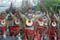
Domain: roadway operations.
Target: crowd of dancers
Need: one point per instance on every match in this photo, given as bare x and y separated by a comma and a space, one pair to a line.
30, 25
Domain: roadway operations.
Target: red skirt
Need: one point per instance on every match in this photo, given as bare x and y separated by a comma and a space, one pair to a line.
28, 32
2, 30
13, 30
58, 39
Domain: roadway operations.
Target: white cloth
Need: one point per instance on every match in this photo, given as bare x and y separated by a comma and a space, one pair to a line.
4, 35
31, 28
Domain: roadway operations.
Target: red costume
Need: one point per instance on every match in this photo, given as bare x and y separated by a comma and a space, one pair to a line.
2, 30
52, 31
58, 37
29, 26
40, 30
14, 30
29, 31
3, 24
